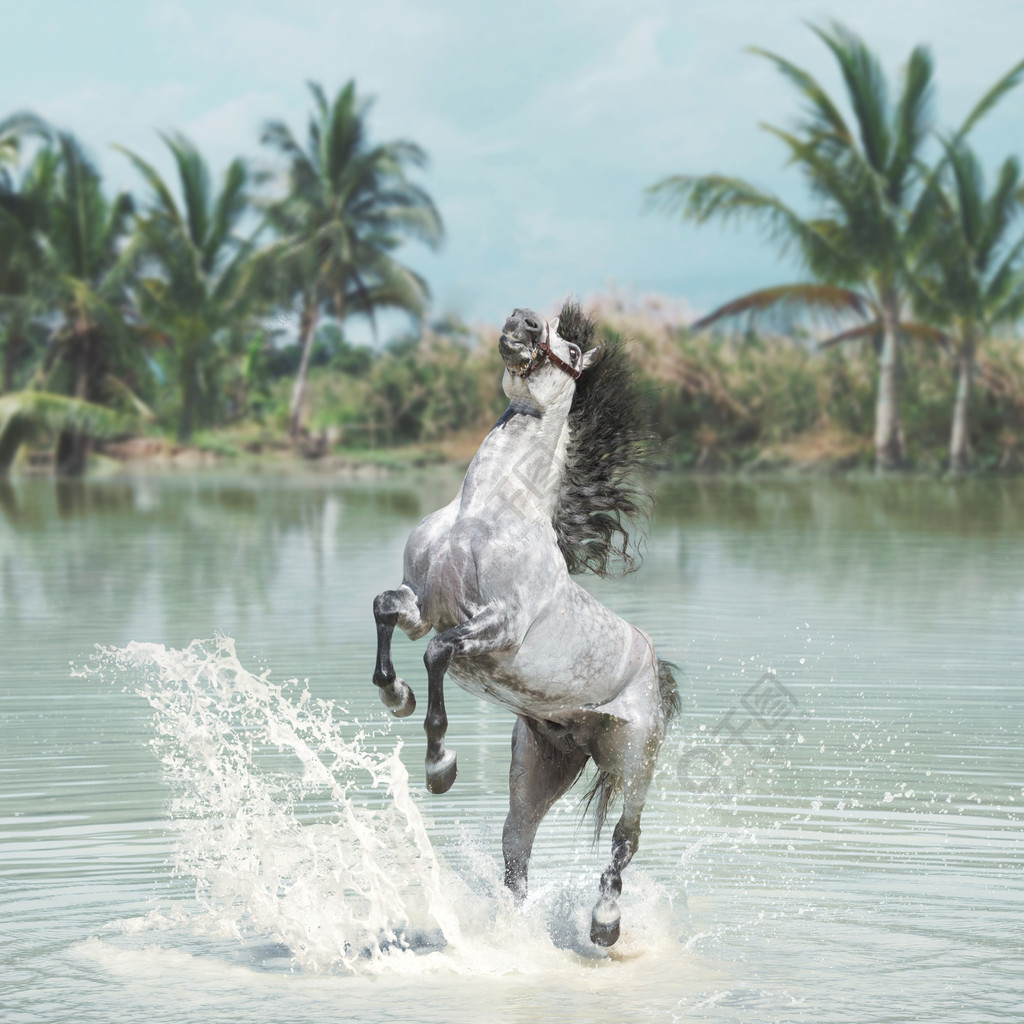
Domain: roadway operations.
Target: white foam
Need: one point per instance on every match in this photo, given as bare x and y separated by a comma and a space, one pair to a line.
246, 759
299, 831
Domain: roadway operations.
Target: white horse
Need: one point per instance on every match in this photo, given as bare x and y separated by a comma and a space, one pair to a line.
549, 493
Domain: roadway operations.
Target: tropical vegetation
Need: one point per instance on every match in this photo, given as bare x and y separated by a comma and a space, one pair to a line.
187, 264
971, 281
172, 308
214, 310
863, 242
349, 204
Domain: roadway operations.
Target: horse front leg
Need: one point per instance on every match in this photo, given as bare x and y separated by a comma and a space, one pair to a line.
395, 608
479, 635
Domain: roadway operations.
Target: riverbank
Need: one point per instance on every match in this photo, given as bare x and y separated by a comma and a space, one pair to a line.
248, 452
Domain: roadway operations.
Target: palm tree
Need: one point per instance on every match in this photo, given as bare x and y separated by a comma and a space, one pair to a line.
60, 278
190, 264
81, 277
866, 175
971, 276
349, 204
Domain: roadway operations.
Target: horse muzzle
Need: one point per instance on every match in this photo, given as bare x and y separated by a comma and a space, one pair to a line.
518, 358
521, 340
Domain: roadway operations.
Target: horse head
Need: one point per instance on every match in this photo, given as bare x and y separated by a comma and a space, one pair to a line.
539, 363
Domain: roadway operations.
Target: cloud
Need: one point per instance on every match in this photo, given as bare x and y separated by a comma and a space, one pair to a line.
105, 113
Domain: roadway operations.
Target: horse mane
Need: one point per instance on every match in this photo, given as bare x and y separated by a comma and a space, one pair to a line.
604, 505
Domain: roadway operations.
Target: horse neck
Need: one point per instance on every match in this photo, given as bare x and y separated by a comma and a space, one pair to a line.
520, 464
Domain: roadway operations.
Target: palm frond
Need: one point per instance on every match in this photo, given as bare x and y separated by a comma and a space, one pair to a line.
343, 139
118, 223
1007, 304
917, 331
705, 197
1006, 83
866, 89
319, 98
827, 119
166, 204
1004, 281
25, 123
194, 179
228, 208
789, 301
13, 130
418, 219
921, 210
1004, 206
968, 180
913, 122
81, 209
846, 185
278, 135
969, 269
930, 205
869, 330
394, 286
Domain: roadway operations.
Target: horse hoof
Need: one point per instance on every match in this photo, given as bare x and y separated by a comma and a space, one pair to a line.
399, 698
604, 926
441, 774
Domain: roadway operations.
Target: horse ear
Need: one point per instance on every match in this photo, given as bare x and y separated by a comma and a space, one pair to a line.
554, 325
592, 355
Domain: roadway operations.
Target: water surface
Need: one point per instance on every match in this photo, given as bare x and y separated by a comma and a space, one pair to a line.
833, 832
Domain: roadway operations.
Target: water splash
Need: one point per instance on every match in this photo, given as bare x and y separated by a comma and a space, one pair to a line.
289, 829
307, 848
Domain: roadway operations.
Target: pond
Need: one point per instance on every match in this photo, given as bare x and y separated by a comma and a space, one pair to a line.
204, 818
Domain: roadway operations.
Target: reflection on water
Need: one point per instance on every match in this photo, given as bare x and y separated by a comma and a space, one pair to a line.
832, 833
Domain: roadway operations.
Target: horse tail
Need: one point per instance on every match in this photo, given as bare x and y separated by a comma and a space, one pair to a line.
668, 689
606, 786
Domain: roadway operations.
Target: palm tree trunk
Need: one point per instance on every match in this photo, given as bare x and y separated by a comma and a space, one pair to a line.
297, 411
189, 398
72, 445
13, 346
889, 451
960, 438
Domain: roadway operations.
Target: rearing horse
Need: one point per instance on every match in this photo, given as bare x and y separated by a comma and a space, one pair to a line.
550, 492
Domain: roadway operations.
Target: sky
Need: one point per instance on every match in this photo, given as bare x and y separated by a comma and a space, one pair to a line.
544, 120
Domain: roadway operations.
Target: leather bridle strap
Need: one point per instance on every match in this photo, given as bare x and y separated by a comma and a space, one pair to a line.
543, 349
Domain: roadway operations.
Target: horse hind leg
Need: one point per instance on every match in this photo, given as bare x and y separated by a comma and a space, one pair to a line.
628, 758
540, 773
395, 608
